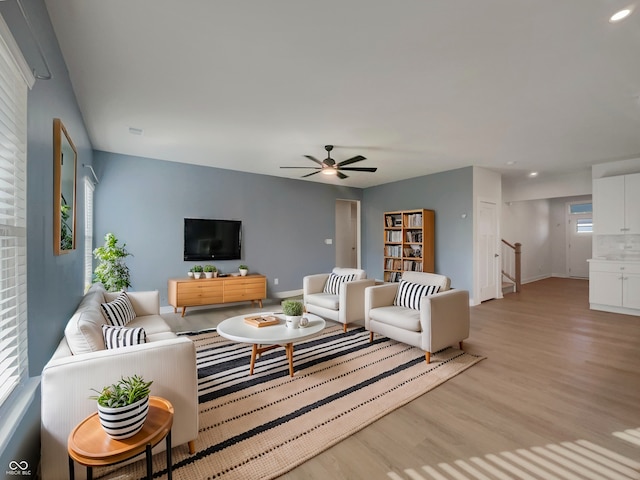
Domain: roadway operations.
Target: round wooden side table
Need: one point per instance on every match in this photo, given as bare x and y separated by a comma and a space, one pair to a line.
90, 446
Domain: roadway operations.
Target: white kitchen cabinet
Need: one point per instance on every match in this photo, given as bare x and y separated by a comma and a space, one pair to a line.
614, 286
616, 205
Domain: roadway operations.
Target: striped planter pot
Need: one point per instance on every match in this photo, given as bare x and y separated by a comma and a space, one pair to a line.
124, 422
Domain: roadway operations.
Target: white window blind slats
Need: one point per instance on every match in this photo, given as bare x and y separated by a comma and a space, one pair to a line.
88, 232
13, 216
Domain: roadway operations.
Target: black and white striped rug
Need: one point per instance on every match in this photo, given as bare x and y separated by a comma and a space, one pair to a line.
261, 426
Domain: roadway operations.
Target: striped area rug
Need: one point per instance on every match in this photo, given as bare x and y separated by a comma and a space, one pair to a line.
261, 426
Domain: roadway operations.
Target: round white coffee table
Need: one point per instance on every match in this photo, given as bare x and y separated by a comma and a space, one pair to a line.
272, 336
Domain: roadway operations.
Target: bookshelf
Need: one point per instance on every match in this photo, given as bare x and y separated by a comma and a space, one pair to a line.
408, 242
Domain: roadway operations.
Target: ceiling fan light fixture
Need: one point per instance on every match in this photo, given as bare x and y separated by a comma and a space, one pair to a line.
329, 171
620, 15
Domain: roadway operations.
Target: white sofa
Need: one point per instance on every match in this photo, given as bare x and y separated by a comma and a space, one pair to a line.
437, 321
81, 363
347, 306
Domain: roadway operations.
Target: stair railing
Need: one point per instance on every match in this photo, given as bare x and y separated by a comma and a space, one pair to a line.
511, 263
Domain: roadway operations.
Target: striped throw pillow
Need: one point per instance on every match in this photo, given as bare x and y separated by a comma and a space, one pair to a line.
409, 294
116, 337
119, 312
332, 285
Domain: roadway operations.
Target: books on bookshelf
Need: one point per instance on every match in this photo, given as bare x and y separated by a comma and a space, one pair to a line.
408, 242
261, 321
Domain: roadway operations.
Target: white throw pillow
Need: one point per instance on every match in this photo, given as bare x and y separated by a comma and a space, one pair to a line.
332, 285
409, 294
119, 312
116, 337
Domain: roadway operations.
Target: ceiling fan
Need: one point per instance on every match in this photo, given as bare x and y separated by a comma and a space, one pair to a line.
328, 166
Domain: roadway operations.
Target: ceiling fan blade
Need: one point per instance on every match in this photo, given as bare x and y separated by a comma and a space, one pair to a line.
313, 159
341, 175
312, 173
316, 168
357, 158
360, 169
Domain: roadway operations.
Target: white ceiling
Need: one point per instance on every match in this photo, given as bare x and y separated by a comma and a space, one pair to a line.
416, 86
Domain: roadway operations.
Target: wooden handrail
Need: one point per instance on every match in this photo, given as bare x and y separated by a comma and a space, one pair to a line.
517, 277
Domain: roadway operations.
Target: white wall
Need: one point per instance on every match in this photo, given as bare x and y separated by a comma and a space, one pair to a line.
543, 187
528, 223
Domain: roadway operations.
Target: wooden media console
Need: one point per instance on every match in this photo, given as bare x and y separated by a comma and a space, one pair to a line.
189, 292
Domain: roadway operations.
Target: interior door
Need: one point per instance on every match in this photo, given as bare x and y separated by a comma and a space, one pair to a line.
488, 250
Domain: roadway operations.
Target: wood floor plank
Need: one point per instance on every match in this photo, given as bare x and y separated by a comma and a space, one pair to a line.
555, 372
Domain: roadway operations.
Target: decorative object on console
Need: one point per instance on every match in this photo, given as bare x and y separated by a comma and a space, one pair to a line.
210, 271
243, 269
123, 406
197, 271
292, 310
112, 272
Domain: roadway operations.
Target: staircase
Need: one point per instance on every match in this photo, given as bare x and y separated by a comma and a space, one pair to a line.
511, 267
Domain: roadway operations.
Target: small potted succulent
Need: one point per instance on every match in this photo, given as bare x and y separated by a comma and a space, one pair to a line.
293, 310
123, 406
197, 271
243, 270
210, 271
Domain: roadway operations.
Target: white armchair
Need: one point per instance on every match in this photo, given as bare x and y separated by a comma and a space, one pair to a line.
430, 322
337, 296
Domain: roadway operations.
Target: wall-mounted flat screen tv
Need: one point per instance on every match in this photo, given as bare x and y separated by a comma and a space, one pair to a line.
206, 239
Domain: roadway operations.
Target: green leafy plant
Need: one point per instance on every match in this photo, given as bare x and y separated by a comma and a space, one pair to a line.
243, 267
292, 308
197, 269
66, 237
210, 268
124, 392
112, 272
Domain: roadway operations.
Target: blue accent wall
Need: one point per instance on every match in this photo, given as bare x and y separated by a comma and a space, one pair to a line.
449, 194
284, 221
55, 283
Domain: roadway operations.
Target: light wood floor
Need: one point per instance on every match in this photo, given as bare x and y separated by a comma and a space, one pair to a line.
555, 372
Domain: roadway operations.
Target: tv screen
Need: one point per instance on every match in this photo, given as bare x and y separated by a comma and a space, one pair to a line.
206, 239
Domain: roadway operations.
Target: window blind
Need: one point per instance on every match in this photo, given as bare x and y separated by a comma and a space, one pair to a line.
88, 232
13, 217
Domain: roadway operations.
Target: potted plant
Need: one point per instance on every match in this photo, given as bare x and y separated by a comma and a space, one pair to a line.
243, 270
197, 270
292, 310
210, 271
112, 272
123, 406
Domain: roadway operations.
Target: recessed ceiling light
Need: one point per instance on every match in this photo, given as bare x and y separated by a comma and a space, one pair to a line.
511, 162
135, 131
533, 174
621, 15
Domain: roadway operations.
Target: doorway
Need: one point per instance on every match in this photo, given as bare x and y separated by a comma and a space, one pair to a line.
579, 232
348, 234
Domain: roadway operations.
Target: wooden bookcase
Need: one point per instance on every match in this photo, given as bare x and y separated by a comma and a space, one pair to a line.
408, 242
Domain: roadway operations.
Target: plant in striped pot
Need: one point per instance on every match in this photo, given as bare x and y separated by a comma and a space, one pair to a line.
123, 406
